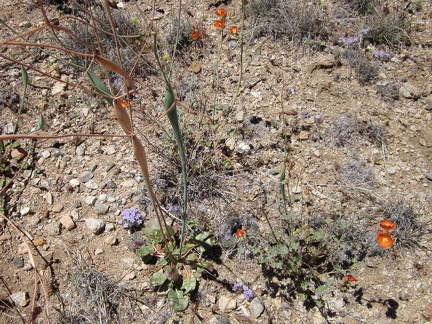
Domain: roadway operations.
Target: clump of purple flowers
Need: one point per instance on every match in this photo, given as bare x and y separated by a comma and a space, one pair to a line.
349, 40
247, 292
131, 218
382, 55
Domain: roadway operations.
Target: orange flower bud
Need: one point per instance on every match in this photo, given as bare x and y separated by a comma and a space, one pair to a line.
219, 24
221, 13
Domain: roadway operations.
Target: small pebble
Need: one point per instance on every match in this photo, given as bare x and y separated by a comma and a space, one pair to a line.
57, 208
18, 262
39, 241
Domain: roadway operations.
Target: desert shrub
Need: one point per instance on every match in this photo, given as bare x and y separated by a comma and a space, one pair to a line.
344, 128
365, 70
362, 6
355, 172
389, 29
295, 20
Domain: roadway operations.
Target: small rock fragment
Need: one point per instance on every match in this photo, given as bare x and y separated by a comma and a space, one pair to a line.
74, 183
39, 241
20, 298
240, 116
111, 240
18, 262
101, 209
53, 228
98, 251
97, 226
86, 176
24, 211
304, 135
67, 222
57, 208
90, 200
48, 198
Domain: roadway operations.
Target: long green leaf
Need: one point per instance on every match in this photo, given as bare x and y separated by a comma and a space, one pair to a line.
100, 87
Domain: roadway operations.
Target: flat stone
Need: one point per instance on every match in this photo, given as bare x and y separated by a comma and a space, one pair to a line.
91, 184
428, 106
130, 276
67, 222
86, 176
97, 226
409, 91
18, 153
46, 154
226, 304
101, 209
20, 298
53, 228
58, 88
22, 249
57, 208
256, 307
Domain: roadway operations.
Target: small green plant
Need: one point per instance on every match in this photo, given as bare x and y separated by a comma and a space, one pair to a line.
178, 278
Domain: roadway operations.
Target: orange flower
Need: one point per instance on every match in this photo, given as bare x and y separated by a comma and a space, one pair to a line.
385, 240
387, 225
123, 103
240, 233
234, 30
350, 277
219, 24
194, 35
221, 13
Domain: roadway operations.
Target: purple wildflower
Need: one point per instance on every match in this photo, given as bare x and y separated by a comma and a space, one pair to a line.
382, 55
247, 293
173, 208
248, 252
131, 218
351, 40
227, 237
364, 31
236, 286
341, 40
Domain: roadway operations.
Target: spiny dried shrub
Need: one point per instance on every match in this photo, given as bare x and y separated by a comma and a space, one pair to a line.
344, 129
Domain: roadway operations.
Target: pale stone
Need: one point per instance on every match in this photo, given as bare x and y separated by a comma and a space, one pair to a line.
67, 222
226, 304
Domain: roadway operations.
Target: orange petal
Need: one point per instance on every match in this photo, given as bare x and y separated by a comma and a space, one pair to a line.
385, 240
387, 225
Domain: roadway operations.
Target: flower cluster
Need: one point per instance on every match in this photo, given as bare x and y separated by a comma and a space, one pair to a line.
220, 23
348, 41
131, 218
247, 292
384, 56
384, 237
197, 32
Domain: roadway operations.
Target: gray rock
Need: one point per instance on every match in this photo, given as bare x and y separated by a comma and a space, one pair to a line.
20, 298
77, 204
240, 116
57, 88
110, 185
129, 183
18, 262
256, 307
428, 175
97, 226
101, 209
86, 176
53, 228
90, 200
429, 106
226, 304
46, 154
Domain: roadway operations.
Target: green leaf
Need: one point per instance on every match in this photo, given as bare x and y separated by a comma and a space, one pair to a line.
100, 86
321, 290
205, 240
177, 300
41, 123
145, 252
158, 278
189, 282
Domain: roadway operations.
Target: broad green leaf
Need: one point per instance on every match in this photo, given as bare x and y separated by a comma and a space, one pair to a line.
158, 278
189, 282
177, 300
100, 86
205, 241
145, 252
321, 290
